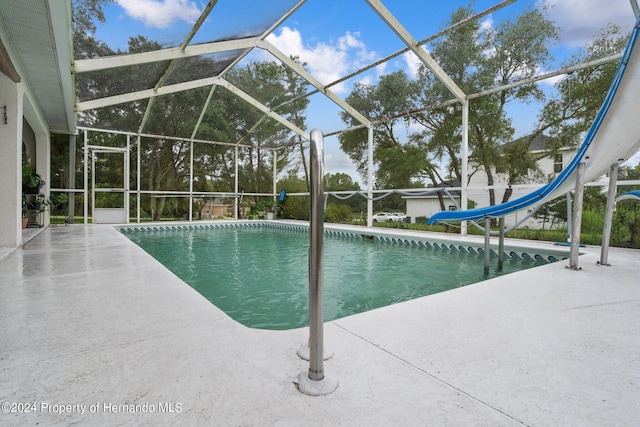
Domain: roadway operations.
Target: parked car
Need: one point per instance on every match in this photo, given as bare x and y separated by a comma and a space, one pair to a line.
398, 216
383, 217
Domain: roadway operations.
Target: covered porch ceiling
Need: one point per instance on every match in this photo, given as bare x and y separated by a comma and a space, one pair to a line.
37, 35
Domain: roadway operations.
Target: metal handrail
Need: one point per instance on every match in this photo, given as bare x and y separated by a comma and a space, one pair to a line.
316, 257
315, 382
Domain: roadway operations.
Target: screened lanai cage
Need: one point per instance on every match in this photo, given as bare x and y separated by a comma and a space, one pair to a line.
206, 113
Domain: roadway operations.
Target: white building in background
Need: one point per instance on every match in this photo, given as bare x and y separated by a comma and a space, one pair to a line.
427, 204
478, 193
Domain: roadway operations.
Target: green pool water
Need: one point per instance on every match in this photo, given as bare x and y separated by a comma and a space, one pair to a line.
259, 275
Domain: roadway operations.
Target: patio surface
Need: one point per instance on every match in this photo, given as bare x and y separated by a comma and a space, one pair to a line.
96, 332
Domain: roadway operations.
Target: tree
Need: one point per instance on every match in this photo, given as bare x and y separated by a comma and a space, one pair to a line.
385, 103
479, 61
626, 218
226, 118
582, 92
344, 182
295, 207
277, 87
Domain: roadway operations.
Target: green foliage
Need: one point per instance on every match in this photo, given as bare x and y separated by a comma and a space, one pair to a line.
625, 230
391, 97
476, 59
582, 92
226, 118
344, 182
337, 213
296, 207
30, 178
58, 199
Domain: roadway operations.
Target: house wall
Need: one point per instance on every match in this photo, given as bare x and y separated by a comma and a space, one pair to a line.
11, 103
425, 206
481, 195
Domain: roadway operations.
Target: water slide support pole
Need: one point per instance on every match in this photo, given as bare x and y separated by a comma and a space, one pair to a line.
487, 246
608, 218
501, 244
577, 218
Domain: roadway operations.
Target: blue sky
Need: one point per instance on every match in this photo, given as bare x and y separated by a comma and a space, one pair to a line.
336, 37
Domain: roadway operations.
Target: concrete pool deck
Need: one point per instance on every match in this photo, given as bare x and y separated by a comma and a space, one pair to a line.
91, 323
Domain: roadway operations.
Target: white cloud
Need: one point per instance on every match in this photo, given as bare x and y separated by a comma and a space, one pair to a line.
581, 20
413, 64
381, 69
327, 62
486, 24
161, 13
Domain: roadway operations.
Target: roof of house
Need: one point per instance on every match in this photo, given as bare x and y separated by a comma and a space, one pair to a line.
440, 188
536, 143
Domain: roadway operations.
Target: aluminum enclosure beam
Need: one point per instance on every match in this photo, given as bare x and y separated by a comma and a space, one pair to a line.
97, 64
143, 94
261, 107
312, 80
422, 54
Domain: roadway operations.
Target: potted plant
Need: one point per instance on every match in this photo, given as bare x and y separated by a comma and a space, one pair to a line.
25, 219
265, 209
31, 181
36, 205
58, 202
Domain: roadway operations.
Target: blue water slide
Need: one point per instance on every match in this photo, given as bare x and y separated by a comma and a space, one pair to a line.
613, 136
629, 195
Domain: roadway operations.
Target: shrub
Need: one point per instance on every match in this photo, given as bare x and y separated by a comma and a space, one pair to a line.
337, 213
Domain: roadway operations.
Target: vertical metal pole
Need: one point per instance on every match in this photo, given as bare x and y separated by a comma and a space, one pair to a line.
86, 179
127, 180
191, 182
465, 163
569, 217
608, 217
316, 257
72, 178
577, 218
235, 187
93, 185
370, 177
487, 245
138, 167
275, 177
501, 244
314, 382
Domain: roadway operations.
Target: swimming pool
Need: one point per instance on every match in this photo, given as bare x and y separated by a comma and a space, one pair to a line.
257, 272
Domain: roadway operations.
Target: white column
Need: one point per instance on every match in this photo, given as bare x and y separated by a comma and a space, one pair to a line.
11, 107
465, 163
127, 180
236, 202
85, 166
191, 181
138, 180
72, 177
275, 175
43, 164
370, 178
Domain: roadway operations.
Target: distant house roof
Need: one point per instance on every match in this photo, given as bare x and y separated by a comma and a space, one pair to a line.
440, 188
537, 143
